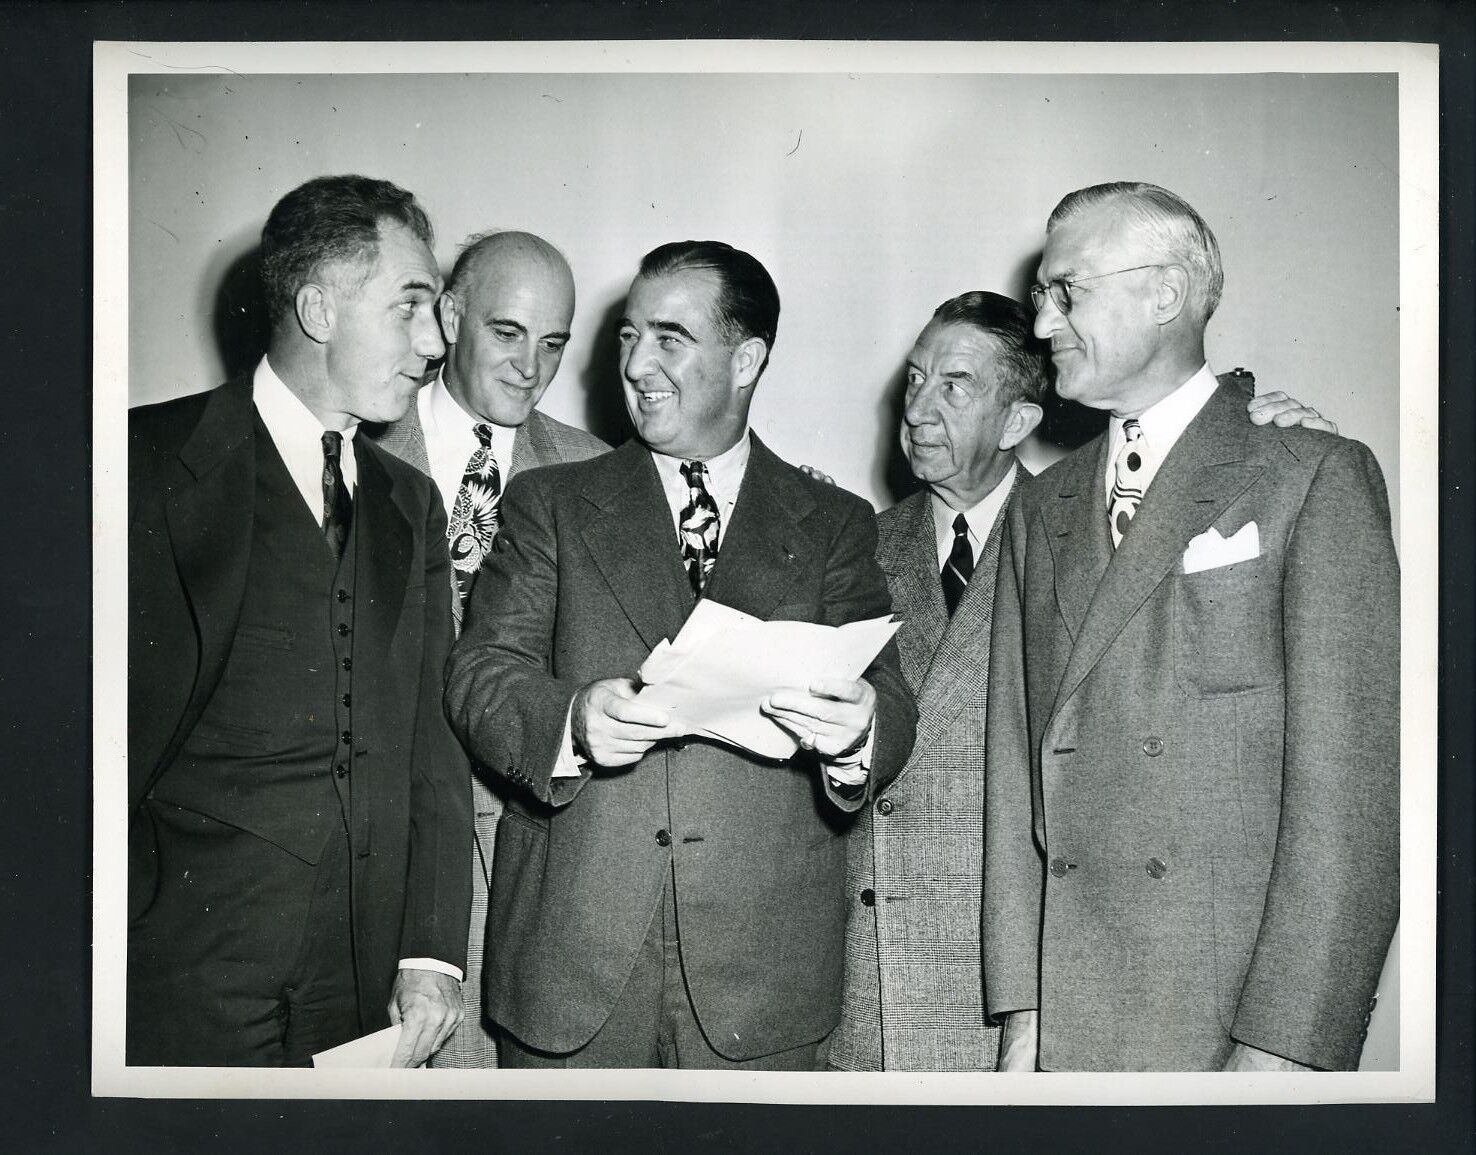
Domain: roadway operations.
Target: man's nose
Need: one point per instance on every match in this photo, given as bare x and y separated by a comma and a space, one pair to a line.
525, 359
919, 407
636, 361
1048, 318
425, 338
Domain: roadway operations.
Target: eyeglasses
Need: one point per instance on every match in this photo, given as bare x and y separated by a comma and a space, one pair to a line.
1060, 288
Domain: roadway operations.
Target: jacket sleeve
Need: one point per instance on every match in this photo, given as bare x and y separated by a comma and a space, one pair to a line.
1013, 878
855, 590
1333, 896
438, 892
503, 700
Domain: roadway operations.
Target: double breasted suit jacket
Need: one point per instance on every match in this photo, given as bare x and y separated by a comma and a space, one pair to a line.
192, 476
1192, 805
586, 578
913, 990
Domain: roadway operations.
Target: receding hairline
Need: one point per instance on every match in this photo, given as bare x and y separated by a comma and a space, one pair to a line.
482, 252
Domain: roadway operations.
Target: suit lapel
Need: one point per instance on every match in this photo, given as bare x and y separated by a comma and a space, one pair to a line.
384, 542
405, 439
909, 558
960, 664
532, 446
630, 536
1204, 472
1076, 531
762, 549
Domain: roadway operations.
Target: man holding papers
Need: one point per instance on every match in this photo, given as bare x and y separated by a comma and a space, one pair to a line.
658, 898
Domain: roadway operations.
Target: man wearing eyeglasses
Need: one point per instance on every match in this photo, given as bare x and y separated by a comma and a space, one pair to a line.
1192, 801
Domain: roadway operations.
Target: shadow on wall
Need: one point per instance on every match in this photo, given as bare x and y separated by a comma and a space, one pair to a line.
604, 400
239, 318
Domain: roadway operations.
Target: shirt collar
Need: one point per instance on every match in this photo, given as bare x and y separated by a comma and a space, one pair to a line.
298, 435
1165, 420
724, 472
980, 516
457, 428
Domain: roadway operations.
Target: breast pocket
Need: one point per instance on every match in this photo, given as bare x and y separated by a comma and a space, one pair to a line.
1227, 628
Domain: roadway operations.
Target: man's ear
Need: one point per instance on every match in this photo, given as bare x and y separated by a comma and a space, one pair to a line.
315, 312
747, 361
1173, 294
450, 313
1024, 417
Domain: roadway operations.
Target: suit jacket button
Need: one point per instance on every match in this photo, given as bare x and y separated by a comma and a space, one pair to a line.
1153, 747
1059, 867
343, 630
341, 770
663, 838
342, 595
868, 897
1157, 868
884, 806
347, 737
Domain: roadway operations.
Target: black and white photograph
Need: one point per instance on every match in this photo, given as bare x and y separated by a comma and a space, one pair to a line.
765, 571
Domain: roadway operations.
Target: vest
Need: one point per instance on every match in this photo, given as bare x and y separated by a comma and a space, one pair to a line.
272, 753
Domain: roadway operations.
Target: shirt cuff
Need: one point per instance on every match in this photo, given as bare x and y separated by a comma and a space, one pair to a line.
568, 763
853, 768
431, 964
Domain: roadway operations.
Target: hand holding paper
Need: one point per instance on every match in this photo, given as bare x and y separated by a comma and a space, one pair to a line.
762, 685
612, 728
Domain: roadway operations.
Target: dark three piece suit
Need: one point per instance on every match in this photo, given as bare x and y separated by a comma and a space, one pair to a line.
299, 809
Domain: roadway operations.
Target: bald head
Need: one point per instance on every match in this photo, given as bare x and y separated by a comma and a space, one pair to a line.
505, 315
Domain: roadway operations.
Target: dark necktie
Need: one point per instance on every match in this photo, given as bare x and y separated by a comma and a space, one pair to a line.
1127, 481
338, 509
473, 523
699, 527
960, 565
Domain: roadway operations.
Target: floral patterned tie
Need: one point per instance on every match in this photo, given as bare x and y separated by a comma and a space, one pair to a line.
338, 509
699, 527
473, 523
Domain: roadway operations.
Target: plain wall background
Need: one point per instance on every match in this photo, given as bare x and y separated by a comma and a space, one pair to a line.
870, 198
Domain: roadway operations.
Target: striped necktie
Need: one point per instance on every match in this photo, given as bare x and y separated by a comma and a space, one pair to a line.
338, 508
959, 567
1128, 484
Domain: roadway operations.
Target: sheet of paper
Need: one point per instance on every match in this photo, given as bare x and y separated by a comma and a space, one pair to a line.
714, 675
374, 1050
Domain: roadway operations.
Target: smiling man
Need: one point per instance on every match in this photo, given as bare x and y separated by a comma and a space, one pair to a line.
1191, 852
299, 809
659, 899
505, 316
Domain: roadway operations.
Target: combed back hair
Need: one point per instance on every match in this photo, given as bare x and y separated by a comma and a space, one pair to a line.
329, 219
1022, 362
476, 245
1170, 226
748, 301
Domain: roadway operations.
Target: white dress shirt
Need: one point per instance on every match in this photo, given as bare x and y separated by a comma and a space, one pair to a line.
298, 436
1163, 423
451, 439
725, 474
980, 518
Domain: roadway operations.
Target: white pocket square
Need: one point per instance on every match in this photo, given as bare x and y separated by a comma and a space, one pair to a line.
1211, 551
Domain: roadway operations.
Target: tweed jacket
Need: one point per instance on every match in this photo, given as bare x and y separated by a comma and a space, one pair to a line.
541, 440
584, 580
913, 997
1192, 805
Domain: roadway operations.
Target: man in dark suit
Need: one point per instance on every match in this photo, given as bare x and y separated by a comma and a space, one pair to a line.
299, 807
505, 316
1191, 851
658, 899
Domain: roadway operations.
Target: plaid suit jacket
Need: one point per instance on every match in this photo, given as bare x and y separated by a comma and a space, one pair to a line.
913, 996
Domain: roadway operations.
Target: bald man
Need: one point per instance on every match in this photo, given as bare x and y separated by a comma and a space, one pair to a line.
505, 315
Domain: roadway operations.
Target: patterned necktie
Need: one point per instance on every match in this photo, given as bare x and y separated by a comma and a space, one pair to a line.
338, 509
473, 523
1127, 485
699, 527
960, 565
